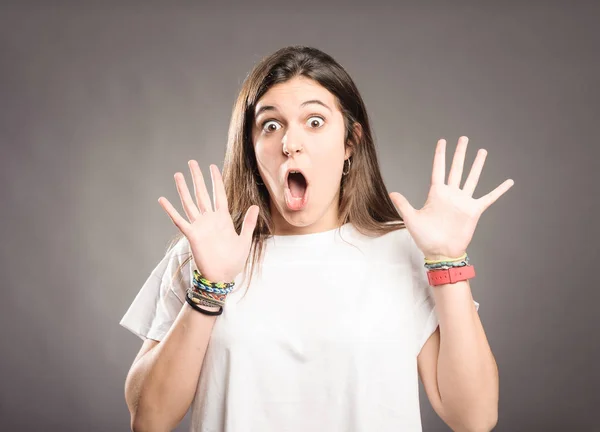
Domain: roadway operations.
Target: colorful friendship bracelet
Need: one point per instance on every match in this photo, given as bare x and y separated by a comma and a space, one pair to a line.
206, 293
198, 277
218, 298
205, 296
211, 298
201, 286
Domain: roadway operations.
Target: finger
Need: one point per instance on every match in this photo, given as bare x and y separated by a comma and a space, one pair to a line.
489, 199
176, 218
249, 223
473, 179
439, 163
200, 191
458, 162
189, 207
219, 195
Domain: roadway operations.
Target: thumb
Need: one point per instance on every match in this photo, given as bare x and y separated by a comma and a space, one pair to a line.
249, 223
402, 204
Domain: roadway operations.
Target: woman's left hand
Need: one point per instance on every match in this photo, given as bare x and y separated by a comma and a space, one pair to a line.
445, 225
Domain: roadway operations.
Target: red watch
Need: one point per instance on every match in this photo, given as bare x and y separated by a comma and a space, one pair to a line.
451, 275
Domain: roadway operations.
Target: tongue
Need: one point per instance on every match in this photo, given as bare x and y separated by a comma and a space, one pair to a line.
297, 185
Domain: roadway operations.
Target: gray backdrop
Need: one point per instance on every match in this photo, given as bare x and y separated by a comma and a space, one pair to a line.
100, 104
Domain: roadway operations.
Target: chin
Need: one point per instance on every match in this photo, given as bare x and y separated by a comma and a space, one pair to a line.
299, 219
313, 212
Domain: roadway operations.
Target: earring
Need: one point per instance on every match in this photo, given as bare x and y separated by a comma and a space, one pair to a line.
349, 163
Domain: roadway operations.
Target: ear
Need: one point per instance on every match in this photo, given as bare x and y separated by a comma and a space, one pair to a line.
353, 140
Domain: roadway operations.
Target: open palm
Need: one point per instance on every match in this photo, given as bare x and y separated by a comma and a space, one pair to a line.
445, 225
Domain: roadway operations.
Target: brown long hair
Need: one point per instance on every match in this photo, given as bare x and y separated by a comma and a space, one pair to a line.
363, 201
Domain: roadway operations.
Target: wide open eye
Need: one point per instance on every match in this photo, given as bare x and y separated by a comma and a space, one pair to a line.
264, 126
311, 120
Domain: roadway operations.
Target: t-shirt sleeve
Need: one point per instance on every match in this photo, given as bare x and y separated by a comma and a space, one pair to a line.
426, 319
161, 297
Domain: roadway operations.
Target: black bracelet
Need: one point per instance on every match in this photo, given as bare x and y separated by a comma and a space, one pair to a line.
204, 311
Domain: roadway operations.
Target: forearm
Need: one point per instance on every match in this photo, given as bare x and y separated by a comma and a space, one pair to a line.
162, 384
467, 373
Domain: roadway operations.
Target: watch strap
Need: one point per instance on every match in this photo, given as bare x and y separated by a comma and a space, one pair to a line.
451, 275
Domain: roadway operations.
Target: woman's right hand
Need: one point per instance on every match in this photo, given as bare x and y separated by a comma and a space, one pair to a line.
218, 251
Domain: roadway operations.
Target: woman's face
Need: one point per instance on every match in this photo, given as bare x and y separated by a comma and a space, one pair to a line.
298, 126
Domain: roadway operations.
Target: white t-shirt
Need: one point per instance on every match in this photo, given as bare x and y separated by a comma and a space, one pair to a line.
325, 339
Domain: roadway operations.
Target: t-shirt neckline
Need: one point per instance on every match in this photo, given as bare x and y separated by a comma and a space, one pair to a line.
320, 238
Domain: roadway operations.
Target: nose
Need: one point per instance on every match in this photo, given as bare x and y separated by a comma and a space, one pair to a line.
291, 145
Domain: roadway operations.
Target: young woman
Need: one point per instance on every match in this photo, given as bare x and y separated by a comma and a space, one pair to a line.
339, 315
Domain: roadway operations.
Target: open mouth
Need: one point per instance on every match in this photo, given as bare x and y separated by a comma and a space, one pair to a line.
296, 192
297, 184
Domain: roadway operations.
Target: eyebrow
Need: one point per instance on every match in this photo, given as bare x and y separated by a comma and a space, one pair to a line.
303, 104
